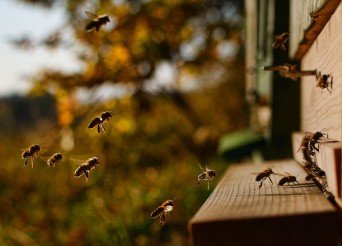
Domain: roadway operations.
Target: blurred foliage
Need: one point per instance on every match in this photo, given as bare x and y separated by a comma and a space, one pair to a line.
154, 143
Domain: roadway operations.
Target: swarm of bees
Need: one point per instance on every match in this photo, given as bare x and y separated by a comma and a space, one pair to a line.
100, 121
86, 167
163, 210
96, 22
206, 175
309, 146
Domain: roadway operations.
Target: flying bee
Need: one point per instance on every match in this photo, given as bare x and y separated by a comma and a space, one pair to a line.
105, 116
86, 167
288, 179
96, 22
281, 40
324, 81
100, 121
264, 175
54, 159
32, 152
163, 210
207, 175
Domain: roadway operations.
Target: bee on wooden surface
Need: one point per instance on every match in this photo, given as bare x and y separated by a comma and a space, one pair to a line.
32, 152
281, 40
87, 167
100, 121
288, 179
96, 22
307, 150
163, 210
54, 159
315, 138
264, 175
309, 177
324, 81
207, 175
317, 171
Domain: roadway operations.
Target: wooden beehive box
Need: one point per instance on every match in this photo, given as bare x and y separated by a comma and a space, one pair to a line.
237, 211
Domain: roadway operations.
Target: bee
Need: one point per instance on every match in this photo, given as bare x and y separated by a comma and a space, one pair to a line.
31, 152
315, 138
100, 121
308, 177
288, 179
87, 167
163, 210
317, 171
54, 159
309, 142
281, 40
207, 175
307, 149
324, 81
264, 175
96, 22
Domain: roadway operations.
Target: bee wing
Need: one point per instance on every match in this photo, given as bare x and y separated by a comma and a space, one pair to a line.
283, 175
78, 161
201, 167
45, 158
308, 135
43, 150
91, 15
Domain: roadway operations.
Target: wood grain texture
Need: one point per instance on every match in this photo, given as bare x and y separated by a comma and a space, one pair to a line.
239, 213
304, 29
320, 109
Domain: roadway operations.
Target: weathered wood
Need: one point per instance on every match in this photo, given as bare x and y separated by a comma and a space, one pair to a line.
239, 213
307, 20
320, 109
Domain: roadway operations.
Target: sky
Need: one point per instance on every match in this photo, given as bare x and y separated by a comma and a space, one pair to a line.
18, 19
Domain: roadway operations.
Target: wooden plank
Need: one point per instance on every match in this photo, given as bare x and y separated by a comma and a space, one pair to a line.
320, 109
307, 20
328, 159
239, 213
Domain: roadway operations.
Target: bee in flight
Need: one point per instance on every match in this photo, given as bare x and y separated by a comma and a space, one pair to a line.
281, 40
54, 159
264, 175
96, 21
163, 210
207, 175
288, 178
86, 167
31, 152
100, 121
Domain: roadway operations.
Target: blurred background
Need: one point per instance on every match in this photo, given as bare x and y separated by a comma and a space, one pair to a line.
172, 72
